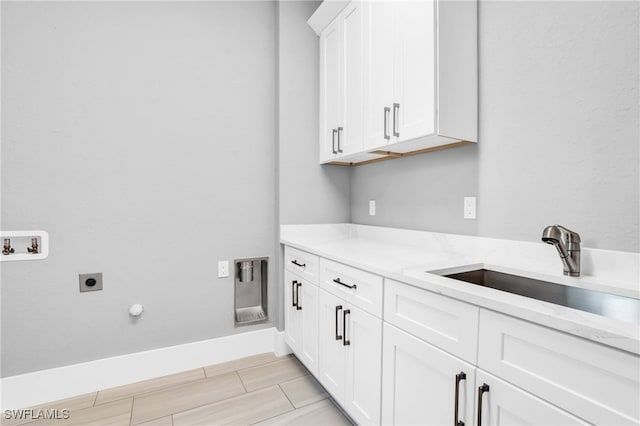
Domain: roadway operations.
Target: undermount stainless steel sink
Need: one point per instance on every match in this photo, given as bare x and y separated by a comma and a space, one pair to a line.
600, 303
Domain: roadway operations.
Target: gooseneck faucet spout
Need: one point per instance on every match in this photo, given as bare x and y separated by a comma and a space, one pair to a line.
568, 244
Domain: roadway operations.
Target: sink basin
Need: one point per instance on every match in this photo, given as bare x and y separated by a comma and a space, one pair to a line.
605, 304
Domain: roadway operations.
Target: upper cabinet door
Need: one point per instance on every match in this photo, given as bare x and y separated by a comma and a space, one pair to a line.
378, 72
341, 84
331, 88
350, 131
413, 111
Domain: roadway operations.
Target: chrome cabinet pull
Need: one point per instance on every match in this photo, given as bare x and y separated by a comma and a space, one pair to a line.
333, 140
298, 307
340, 129
337, 281
460, 376
396, 108
338, 309
345, 342
302, 265
481, 390
387, 110
294, 303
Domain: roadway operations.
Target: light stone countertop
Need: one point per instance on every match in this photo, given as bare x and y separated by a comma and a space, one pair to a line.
411, 257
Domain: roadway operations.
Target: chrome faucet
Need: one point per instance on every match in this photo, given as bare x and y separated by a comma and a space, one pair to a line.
568, 244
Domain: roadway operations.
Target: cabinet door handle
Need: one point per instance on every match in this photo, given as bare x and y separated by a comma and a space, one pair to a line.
337, 281
345, 342
396, 108
338, 309
460, 376
481, 390
334, 132
340, 129
294, 303
298, 307
387, 111
302, 265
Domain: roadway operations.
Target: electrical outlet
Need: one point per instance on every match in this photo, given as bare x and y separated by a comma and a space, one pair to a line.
90, 282
372, 207
223, 269
469, 207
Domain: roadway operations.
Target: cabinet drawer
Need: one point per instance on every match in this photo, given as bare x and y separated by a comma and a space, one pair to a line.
444, 322
302, 263
592, 381
360, 288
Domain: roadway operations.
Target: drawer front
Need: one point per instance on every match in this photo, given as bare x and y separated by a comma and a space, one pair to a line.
444, 322
360, 288
301, 263
592, 381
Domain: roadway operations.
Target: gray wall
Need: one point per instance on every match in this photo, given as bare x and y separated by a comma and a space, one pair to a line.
309, 193
420, 192
558, 133
141, 136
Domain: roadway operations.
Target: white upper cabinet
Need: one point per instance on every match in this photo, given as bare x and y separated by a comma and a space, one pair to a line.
341, 85
400, 64
397, 77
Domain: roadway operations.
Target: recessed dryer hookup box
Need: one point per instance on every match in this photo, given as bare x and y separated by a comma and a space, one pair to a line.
250, 290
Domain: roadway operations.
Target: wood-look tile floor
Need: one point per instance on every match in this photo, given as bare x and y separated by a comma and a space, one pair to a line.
262, 389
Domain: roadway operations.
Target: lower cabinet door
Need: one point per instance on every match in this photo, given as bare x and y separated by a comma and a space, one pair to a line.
308, 304
500, 403
331, 361
423, 385
363, 352
292, 318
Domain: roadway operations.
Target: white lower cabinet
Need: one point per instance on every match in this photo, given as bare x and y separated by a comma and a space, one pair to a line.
500, 403
301, 319
422, 385
350, 357
436, 360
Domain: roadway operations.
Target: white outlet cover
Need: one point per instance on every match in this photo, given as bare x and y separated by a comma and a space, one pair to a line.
223, 269
469, 207
372, 207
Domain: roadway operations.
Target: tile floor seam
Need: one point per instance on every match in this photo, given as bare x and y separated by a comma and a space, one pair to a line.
293, 407
223, 400
273, 417
151, 391
282, 358
95, 399
157, 390
287, 396
133, 400
295, 378
241, 382
190, 408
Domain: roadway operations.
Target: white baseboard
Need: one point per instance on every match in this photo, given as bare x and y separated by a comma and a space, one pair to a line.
27, 390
